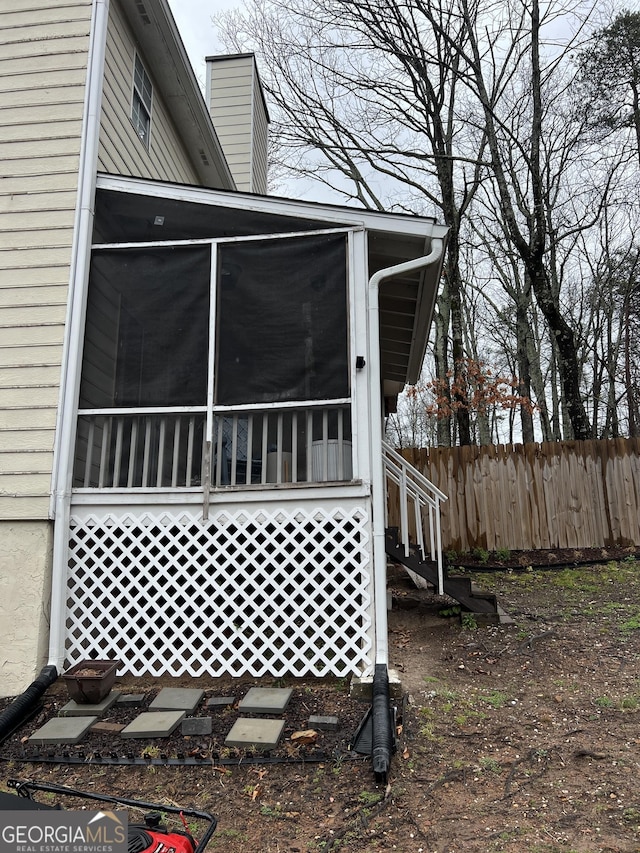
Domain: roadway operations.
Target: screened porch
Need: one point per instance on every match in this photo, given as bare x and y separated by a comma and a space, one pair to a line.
216, 362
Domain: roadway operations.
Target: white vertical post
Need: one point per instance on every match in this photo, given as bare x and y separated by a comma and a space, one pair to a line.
377, 413
66, 424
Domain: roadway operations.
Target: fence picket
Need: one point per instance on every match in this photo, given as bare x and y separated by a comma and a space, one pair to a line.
536, 496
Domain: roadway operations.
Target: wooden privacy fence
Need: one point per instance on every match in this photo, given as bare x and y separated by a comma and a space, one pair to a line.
570, 494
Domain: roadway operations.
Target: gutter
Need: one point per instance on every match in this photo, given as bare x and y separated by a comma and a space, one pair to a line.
74, 326
382, 736
377, 471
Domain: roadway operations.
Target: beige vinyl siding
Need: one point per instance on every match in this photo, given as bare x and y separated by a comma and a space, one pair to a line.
231, 85
43, 61
260, 144
122, 152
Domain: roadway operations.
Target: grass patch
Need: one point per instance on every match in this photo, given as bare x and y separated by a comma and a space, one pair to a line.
496, 699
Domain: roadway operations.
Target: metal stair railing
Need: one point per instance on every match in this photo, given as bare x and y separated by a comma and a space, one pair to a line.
416, 489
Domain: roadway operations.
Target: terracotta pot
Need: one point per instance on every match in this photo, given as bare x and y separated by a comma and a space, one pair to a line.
89, 681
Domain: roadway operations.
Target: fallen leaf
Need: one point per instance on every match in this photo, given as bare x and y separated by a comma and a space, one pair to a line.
302, 738
406, 754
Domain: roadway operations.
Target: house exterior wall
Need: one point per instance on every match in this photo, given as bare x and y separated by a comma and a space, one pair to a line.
237, 108
121, 151
43, 52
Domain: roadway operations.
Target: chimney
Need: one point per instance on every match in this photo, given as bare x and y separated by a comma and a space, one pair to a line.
239, 112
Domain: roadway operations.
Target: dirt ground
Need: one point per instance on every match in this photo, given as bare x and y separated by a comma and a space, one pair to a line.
522, 737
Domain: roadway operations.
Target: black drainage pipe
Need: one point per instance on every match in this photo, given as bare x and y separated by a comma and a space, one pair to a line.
381, 738
18, 710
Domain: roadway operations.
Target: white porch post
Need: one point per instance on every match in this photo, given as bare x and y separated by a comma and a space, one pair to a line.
74, 327
377, 466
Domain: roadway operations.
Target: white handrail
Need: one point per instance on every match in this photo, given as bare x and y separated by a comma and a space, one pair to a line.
416, 489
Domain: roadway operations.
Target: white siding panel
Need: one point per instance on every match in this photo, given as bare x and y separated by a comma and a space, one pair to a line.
24, 398
14, 423
54, 294
28, 336
37, 187
23, 440
24, 506
26, 376
16, 485
29, 355
68, 44
29, 203
65, 165
32, 315
43, 66
37, 15
35, 237
21, 133
19, 259
26, 462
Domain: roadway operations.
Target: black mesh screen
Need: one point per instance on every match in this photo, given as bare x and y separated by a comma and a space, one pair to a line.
147, 328
282, 320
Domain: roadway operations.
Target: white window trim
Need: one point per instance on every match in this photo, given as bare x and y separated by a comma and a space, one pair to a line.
139, 102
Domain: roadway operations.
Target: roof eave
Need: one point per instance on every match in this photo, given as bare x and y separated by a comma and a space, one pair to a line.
156, 31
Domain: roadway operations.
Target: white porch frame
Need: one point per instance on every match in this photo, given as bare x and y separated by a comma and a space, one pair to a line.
366, 391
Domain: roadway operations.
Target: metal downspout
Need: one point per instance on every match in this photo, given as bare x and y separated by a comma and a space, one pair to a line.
74, 326
377, 467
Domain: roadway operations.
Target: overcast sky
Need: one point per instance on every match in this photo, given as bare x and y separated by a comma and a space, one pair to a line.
193, 18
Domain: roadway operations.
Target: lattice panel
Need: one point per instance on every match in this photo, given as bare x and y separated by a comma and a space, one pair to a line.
241, 593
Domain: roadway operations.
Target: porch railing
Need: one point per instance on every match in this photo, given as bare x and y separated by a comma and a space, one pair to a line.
417, 495
168, 448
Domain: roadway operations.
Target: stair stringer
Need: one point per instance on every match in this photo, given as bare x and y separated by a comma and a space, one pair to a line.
457, 587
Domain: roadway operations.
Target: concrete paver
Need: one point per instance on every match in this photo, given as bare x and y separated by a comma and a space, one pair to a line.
63, 730
220, 701
131, 700
326, 724
154, 724
177, 699
86, 709
263, 734
196, 726
265, 700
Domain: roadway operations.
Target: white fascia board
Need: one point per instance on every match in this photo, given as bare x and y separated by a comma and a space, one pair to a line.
391, 223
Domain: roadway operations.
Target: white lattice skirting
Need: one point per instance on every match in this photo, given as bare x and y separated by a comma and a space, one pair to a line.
263, 593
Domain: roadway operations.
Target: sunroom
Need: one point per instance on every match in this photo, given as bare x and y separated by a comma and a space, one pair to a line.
227, 495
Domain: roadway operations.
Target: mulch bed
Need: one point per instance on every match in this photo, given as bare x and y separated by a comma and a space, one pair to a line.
481, 561
309, 698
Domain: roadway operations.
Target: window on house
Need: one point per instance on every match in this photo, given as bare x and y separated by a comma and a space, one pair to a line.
141, 104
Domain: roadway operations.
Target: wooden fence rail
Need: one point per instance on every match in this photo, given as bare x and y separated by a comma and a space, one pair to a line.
571, 494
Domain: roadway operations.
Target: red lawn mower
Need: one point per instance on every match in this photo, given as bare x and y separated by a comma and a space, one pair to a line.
150, 837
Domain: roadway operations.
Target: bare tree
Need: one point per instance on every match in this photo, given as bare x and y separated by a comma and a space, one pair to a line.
372, 88
460, 109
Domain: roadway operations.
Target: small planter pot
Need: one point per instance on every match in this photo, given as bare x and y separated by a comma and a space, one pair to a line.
89, 681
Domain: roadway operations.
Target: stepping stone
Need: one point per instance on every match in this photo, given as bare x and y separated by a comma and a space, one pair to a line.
247, 733
177, 699
77, 709
63, 730
131, 700
154, 724
196, 726
221, 701
326, 724
107, 728
265, 700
